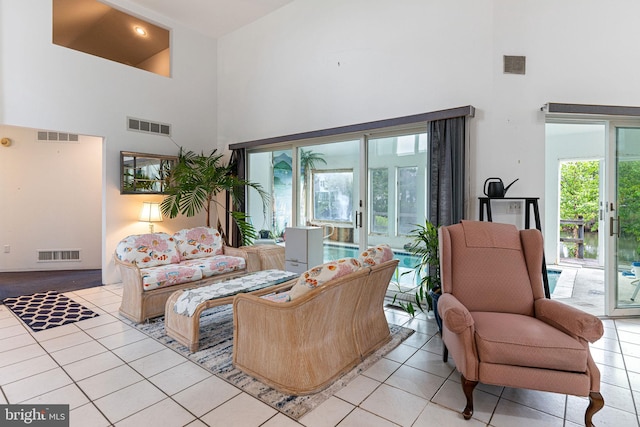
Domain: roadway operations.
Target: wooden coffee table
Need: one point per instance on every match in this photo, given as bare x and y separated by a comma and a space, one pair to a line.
183, 308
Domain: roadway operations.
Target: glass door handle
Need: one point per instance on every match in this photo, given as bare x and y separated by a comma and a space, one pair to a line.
359, 216
611, 232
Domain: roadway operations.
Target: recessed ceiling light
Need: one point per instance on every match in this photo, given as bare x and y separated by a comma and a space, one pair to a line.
140, 31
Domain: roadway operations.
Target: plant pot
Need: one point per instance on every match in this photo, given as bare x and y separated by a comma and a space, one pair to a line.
435, 294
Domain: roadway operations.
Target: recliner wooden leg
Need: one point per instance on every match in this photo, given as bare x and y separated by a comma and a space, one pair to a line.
596, 402
467, 388
445, 354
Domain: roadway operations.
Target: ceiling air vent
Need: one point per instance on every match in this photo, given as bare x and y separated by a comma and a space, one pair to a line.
514, 64
49, 136
58, 255
140, 125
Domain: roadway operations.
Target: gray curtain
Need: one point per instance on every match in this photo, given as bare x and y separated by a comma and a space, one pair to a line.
446, 164
237, 164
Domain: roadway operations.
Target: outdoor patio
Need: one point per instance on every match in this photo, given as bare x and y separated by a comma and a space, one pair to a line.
582, 286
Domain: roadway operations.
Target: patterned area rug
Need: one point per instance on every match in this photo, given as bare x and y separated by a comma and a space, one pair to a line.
216, 352
44, 310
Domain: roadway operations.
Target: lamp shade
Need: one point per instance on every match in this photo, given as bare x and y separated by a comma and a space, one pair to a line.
150, 212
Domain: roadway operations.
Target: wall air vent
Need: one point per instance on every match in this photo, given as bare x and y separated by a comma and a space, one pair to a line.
49, 136
146, 126
514, 64
58, 255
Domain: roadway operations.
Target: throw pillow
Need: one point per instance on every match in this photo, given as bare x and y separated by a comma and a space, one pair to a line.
148, 250
321, 274
376, 255
198, 242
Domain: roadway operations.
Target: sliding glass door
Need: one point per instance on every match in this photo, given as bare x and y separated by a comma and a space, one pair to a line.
273, 171
624, 221
329, 194
363, 191
397, 167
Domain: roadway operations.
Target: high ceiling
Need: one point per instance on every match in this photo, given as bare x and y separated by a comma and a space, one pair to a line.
213, 17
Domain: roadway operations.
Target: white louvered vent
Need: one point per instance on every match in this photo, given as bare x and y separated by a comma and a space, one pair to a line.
146, 126
44, 135
58, 255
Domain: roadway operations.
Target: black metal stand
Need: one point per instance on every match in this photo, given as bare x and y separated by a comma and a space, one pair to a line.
529, 203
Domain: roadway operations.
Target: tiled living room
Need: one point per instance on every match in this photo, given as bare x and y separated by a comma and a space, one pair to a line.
111, 373
265, 72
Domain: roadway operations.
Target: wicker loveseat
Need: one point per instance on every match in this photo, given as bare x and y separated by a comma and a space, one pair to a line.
331, 319
155, 265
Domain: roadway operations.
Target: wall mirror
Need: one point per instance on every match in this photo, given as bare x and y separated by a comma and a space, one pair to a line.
142, 173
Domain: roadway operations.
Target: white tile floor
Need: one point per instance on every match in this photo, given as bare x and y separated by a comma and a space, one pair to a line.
112, 374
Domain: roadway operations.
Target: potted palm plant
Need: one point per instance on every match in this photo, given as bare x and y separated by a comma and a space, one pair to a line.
194, 183
424, 246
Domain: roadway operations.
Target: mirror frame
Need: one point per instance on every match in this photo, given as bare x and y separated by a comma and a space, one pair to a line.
144, 185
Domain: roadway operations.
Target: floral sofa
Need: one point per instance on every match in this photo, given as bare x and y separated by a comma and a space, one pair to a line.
155, 265
331, 318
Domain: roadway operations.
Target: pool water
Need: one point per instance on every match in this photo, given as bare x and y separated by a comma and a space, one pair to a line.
553, 276
407, 261
333, 252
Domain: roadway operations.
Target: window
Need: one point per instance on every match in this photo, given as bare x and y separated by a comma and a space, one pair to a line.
379, 199
273, 171
407, 198
333, 196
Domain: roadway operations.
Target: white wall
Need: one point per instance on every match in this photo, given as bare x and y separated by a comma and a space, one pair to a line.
51, 200
317, 64
45, 86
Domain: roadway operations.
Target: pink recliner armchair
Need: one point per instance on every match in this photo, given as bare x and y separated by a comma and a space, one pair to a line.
497, 324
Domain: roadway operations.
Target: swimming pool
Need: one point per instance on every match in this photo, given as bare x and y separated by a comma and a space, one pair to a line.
407, 261
333, 252
553, 276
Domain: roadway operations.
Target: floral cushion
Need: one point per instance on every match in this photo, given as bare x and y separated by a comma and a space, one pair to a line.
217, 264
318, 276
168, 275
376, 255
148, 250
198, 242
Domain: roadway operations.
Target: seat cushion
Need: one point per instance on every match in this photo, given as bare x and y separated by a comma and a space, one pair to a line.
148, 250
168, 275
218, 264
198, 242
520, 340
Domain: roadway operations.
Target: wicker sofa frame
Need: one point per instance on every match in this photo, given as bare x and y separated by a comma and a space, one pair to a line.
140, 305
302, 346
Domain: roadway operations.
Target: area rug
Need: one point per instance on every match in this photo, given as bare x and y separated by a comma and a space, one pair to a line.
44, 310
216, 352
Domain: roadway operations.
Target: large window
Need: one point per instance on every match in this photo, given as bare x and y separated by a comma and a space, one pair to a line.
407, 199
333, 196
379, 201
367, 185
397, 185
273, 171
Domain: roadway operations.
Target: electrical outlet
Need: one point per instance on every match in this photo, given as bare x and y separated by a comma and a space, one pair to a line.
514, 208
7, 249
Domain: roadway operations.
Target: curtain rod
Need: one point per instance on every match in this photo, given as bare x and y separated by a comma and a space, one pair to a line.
467, 110
603, 110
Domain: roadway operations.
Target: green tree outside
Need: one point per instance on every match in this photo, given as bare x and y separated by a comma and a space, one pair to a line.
579, 188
